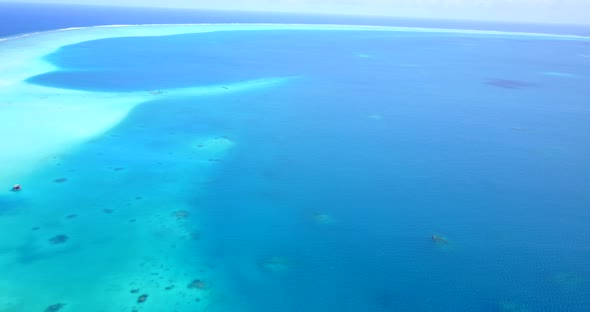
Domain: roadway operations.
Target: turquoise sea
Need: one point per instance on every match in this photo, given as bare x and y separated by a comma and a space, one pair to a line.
387, 171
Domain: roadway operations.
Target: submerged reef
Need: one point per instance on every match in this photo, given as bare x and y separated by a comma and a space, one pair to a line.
59, 239
196, 284
60, 180
142, 298
438, 239
181, 214
509, 84
568, 280
276, 264
322, 218
55, 307
442, 243
508, 306
194, 235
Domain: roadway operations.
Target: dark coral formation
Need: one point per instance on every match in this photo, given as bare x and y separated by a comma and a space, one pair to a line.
55, 307
322, 218
509, 84
142, 298
58, 239
71, 216
197, 284
60, 180
181, 214
275, 264
107, 210
439, 239
195, 235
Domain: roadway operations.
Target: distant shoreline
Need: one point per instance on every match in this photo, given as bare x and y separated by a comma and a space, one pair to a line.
337, 27
25, 18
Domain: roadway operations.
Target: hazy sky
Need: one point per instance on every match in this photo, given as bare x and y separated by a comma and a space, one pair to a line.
552, 11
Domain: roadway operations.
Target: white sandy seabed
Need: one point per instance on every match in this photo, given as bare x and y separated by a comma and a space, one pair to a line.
37, 123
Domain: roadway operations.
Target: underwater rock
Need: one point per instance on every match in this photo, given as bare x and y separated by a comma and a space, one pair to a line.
276, 264
55, 307
107, 210
509, 84
35, 228
439, 239
568, 280
195, 235
17, 188
322, 218
58, 239
60, 180
169, 287
181, 214
196, 284
71, 216
508, 306
134, 291
442, 243
142, 298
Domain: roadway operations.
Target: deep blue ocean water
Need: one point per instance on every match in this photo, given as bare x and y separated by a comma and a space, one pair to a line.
338, 179
20, 18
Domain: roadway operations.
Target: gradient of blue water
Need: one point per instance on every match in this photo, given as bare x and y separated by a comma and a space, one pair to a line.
20, 18
395, 147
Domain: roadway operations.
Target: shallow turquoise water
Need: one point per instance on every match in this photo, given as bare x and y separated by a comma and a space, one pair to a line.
335, 182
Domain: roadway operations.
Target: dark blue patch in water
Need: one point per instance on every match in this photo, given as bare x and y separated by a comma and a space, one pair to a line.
10, 204
207, 58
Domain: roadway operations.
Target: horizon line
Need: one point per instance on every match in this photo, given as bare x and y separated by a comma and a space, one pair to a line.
367, 27
303, 13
